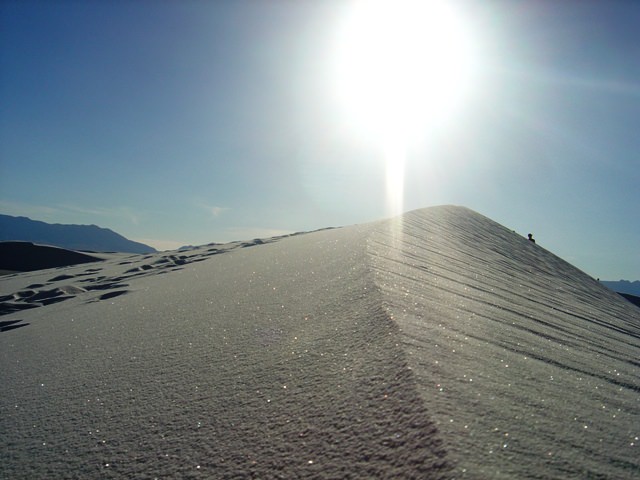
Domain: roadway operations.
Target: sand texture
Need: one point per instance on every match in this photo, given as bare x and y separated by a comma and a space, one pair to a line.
435, 345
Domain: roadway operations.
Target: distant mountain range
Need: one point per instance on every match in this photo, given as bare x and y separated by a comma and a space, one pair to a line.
623, 286
72, 237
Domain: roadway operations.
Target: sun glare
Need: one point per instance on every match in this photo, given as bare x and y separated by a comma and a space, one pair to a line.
402, 67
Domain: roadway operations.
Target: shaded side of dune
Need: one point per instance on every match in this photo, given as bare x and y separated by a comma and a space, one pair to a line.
528, 365
631, 298
27, 257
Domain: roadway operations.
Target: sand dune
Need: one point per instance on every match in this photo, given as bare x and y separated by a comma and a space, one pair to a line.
435, 345
27, 257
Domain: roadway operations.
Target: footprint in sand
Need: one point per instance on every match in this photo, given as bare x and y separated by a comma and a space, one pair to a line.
11, 325
10, 307
107, 286
46, 297
61, 277
141, 268
113, 294
252, 243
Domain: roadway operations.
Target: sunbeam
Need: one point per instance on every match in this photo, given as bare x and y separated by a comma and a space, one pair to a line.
401, 68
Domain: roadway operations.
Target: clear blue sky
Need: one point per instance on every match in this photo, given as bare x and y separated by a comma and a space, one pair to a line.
188, 122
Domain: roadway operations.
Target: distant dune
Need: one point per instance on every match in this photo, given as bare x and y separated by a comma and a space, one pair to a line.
26, 257
72, 237
435, 345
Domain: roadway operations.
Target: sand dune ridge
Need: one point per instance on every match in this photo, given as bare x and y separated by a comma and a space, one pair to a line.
435, 345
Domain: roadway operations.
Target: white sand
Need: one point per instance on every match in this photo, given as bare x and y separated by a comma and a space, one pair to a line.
438, 345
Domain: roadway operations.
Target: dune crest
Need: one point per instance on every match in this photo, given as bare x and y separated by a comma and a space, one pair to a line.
435, 345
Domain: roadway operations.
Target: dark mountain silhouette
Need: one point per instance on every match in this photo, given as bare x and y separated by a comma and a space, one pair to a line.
623, 286
72, 237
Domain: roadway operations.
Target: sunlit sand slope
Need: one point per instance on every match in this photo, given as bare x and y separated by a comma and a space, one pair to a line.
436, 345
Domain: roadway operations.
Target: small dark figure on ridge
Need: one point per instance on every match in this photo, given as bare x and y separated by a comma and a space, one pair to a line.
531, 238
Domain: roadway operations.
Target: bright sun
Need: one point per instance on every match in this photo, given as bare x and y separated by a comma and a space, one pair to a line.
402, 67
